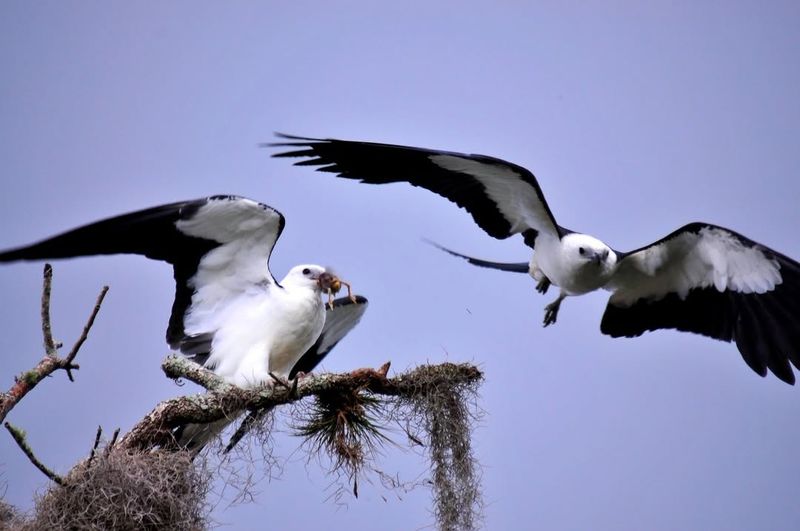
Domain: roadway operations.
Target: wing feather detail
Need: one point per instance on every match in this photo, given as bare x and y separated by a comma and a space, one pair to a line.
712, 281
218, 246
503, 198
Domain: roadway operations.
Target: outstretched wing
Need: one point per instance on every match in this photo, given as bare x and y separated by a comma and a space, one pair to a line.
712, 281
218, 246
503, 198
339, 320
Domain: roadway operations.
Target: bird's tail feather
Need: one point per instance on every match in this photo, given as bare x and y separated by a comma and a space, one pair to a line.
194, 437
515, 267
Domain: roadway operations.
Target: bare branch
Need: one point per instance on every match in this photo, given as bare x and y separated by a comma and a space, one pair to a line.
96, 443
50, 346
113, 440
51, 362
19, 438
84, 334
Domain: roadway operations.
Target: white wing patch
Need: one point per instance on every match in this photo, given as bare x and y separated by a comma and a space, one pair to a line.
247, 231
710, 257
226, 219
516, 200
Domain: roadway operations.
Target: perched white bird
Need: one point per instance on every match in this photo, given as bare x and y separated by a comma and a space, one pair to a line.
229, 313
701, 278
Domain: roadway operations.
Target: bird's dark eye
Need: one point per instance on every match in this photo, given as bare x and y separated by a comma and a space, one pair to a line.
306, 271
581, 250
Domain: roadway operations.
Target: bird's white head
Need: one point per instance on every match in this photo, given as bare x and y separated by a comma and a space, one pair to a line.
589, 255
308, 276
314, 277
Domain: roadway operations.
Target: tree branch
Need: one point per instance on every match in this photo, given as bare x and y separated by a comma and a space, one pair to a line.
67, 362
50, 347
226, 400
19, 438
51, 362
96, 443
177, 367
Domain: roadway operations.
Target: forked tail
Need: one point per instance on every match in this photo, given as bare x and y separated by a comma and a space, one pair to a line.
514, 267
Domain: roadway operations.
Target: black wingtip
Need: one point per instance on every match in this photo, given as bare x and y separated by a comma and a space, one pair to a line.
13, 255
293, 141
37, 251
296, 137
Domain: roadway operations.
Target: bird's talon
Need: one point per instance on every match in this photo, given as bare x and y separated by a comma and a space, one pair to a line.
280, 381
551, 311
543, 285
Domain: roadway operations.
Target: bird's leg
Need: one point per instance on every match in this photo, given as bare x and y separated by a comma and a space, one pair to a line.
542, 285
280, 381
551, 310
293, 390
542, 281
290, 386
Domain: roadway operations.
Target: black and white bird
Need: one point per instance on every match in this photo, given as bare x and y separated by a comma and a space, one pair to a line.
701, 278
229, 313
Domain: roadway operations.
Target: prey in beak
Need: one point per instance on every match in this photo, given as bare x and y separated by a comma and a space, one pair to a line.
331, 284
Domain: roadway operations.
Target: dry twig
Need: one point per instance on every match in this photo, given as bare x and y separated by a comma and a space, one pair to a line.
51, 362
96, 443
19, 438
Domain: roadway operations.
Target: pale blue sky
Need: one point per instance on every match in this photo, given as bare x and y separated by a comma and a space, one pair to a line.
635, 117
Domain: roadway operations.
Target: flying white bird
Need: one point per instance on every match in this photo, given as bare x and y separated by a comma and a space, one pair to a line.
702, 278
229, 313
